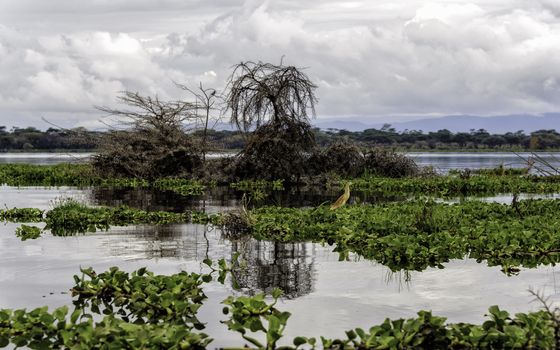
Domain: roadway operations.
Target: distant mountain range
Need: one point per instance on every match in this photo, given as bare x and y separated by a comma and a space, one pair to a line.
455, 123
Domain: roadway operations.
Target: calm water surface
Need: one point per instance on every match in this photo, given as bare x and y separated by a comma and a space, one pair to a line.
445, 161
324, 295
441, 161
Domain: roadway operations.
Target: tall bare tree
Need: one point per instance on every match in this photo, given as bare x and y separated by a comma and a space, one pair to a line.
206, 109
276, 102
261, 93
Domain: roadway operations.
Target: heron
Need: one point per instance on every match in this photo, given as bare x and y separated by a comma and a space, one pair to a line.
343, 198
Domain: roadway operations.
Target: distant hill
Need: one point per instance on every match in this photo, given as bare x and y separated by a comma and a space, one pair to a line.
456, 123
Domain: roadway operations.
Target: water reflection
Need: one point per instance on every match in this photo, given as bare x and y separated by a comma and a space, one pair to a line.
262, 265
267, 265
223, 198
181, 242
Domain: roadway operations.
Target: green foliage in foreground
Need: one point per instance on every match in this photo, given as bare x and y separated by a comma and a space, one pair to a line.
147, 311
143, 311
142, 297
537, 330
40, 329
416, 235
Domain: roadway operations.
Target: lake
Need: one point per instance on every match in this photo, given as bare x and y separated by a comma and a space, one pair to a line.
325, 296
440, 161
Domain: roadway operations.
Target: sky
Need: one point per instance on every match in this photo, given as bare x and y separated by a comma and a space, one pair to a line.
372, 60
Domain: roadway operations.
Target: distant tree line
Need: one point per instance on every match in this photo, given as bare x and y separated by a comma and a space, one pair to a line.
30, 138
444, 139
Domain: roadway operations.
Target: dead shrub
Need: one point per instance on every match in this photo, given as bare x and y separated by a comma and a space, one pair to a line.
383, 162
152, 141
342, 158
275, 152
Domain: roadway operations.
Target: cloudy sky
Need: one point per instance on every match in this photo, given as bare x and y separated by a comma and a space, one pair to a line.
372, 59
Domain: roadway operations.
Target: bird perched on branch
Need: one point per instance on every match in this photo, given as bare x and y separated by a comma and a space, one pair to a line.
343, 198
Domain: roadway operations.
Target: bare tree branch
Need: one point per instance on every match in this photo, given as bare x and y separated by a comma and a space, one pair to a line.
261, 93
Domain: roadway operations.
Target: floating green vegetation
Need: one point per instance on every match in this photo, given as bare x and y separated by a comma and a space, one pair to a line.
537, 330
147, 311
263, 185
71, 217
492, 181
26, 232
21, 215
416, 235
82, 175
443, 186
184, 187
142, 311
258, 189
497, 171
142, 297
47, 175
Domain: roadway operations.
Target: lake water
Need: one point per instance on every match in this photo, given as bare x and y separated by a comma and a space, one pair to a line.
325, 296
441, 161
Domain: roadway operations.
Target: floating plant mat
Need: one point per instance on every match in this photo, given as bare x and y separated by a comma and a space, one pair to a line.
83, 175
450, 185
403, 236
142, 310
418, 234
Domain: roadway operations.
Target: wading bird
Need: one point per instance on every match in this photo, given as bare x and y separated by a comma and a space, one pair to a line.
343, 198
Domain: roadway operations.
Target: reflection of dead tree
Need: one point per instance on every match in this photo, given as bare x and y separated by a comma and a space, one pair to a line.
269, 265
148, 140
277, 101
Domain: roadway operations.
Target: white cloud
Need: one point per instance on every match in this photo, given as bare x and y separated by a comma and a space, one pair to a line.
368, 58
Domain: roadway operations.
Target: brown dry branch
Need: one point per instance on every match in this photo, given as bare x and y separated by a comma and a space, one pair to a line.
148, 140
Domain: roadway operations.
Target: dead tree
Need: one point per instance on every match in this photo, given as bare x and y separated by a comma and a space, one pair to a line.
147, 140
206, 108
263, 92
276, 102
